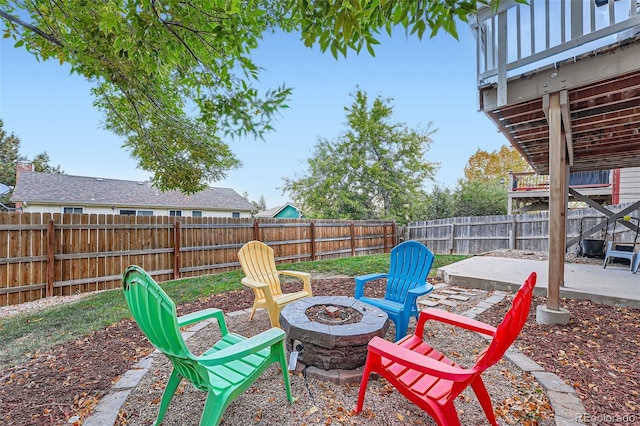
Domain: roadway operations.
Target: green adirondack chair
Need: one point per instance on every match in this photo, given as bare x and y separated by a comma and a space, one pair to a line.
224, 371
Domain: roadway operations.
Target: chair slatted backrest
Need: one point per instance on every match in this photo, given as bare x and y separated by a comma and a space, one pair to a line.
258, 263
508, 330
154, 312
410, 265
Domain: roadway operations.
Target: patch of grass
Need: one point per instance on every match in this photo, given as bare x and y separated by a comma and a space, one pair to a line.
360, 265
29, 333
349, 266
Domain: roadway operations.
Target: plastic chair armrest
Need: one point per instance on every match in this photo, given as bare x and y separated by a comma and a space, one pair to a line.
304, 276
246, 347
257, 285
203, 315
412, 295
370, 277
362, 280
452, 319
416, 361
421, 290
296, 274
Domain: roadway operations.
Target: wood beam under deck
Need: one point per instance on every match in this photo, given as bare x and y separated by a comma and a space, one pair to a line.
566, 124
600, 113
604, 126
611, 216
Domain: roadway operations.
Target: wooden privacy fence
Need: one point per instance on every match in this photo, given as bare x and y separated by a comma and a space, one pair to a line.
480, 234
45, 255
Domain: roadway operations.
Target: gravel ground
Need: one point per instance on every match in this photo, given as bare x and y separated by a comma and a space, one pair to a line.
46, 302
542, 256
319, 402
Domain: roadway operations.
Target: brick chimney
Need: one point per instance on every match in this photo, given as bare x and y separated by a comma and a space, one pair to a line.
23, 166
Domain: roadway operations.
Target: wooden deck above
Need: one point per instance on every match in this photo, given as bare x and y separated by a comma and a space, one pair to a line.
600, 97
529, 191
587, 53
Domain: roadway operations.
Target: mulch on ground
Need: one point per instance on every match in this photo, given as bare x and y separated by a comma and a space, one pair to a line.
596, 352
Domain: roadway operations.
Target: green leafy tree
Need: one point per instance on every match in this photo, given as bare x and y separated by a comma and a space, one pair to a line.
440, 204
374, 170
41, 164
475, 198
259, 205
483, 190
175, 78
10, 156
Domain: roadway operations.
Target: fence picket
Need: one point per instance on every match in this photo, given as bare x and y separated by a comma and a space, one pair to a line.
14, 273
480, 234
89, 252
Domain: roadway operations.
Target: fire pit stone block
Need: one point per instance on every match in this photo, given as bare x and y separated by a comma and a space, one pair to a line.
338, 346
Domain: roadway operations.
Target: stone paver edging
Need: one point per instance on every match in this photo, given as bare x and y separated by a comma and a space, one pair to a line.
566, 405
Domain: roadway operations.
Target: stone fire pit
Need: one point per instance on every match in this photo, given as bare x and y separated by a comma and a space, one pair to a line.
333, 331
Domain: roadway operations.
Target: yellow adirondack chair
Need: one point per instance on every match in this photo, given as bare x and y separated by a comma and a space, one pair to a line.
259, 267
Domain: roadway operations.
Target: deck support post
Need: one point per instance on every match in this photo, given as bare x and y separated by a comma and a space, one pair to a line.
558, 172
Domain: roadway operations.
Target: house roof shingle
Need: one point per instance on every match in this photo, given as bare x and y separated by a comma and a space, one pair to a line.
272, 212
269, 212
37, 187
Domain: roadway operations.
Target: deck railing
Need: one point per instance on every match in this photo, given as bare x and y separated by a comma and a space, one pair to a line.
522, 37
530, 181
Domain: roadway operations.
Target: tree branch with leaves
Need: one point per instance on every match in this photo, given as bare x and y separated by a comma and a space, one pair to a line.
176, 79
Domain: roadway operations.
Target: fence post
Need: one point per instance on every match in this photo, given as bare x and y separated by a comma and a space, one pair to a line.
394, 237
452, 240
256, 230
512, 233
51, 247
176, 251
384, 237
352, 230
312, 227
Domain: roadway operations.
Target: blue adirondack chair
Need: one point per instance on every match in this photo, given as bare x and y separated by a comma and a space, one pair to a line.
406, 281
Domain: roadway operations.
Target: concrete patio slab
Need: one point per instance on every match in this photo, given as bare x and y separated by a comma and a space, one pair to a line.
614, 286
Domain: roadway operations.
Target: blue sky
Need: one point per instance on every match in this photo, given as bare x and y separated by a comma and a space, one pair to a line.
432, 80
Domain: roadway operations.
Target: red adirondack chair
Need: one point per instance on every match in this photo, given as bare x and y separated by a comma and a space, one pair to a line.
431, 380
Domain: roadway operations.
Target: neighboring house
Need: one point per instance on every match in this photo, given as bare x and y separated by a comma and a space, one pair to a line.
628, 181
37, 192
288, 211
